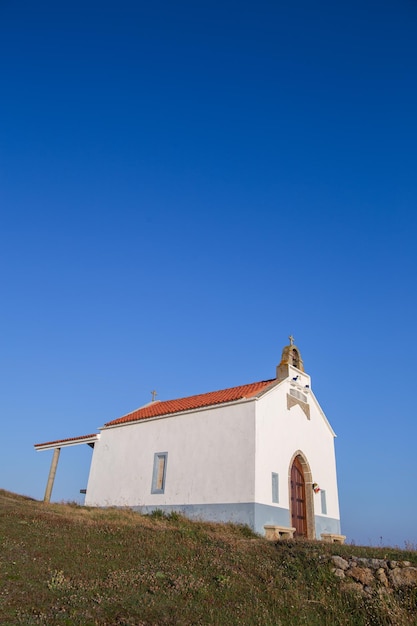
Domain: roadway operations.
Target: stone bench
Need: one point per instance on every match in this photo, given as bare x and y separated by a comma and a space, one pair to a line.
333, 538
275, 533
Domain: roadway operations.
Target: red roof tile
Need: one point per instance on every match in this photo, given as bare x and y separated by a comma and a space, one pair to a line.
156, 409
49, 443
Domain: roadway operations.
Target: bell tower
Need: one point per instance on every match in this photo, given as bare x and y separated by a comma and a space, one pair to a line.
290, 357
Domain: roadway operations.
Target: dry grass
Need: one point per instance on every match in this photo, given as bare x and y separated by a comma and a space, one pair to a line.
65, 564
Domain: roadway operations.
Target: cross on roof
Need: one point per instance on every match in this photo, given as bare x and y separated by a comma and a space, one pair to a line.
291, 338
154, 394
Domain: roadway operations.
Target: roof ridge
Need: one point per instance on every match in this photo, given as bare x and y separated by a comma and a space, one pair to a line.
186, 403
206, 393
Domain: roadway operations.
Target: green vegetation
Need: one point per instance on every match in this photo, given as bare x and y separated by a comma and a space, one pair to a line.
65, 564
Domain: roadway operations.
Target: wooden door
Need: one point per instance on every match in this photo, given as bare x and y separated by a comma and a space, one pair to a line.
298, 499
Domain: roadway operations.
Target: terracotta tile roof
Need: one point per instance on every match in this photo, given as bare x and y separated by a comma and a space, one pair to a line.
65, 441
156, 409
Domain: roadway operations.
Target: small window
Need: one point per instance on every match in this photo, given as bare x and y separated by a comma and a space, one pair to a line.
159, 472
275, 488
323, 502
298, 395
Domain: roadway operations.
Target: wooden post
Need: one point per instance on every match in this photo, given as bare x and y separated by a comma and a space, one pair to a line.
51, 477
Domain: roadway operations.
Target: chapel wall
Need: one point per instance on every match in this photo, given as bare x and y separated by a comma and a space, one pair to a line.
210, 458
280, 433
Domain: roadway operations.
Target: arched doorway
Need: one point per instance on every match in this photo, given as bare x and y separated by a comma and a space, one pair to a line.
301, 505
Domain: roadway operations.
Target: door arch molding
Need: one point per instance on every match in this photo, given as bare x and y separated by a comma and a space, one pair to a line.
308, 481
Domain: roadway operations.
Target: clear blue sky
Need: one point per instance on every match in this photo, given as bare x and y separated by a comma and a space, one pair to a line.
184, 184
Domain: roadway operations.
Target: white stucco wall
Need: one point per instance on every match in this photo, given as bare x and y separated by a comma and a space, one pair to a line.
222, 455
279, 434
211, 459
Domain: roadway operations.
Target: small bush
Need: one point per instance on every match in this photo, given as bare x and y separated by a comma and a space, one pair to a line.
174, 516
157, 514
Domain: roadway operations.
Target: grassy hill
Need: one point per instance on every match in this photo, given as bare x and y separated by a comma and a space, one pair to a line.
65, 564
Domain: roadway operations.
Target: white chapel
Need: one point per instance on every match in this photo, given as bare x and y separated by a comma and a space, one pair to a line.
260, 454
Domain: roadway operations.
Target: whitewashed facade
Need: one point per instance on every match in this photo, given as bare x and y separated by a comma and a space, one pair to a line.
231, 455
260, 454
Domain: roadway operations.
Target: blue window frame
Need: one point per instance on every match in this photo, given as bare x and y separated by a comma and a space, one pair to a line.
323, 502
275, 488
160, 460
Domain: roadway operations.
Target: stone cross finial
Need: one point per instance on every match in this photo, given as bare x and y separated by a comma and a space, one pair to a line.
154, 394
291, 338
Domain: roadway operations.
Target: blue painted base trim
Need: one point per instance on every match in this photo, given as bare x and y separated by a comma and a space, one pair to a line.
252, 514
239, 513
326, 525
266, 514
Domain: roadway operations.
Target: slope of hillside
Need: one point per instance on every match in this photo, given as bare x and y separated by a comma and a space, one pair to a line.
65, 564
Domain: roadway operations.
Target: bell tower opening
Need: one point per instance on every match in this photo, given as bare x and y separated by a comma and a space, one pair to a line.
295, 358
